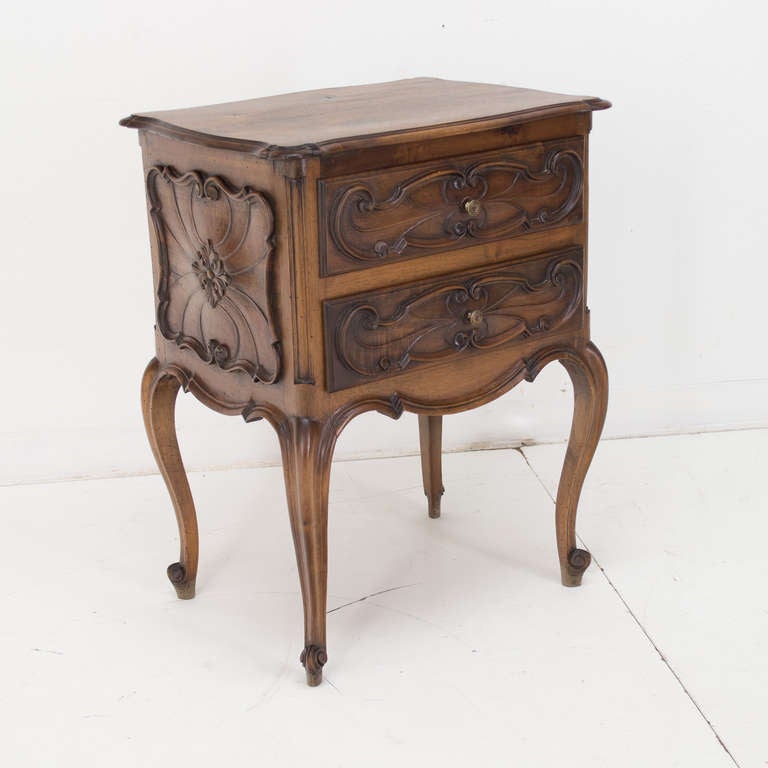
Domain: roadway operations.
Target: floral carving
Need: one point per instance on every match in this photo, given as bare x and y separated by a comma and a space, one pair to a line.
214, 247
382, 334
211, 273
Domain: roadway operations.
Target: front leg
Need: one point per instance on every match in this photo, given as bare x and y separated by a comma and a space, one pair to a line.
158, 400
586, 367
588, 373
307, 448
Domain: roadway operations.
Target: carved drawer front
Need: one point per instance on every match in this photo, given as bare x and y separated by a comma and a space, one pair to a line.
214, 245
379, 334
422, 209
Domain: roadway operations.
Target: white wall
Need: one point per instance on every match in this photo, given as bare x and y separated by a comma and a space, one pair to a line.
678, 210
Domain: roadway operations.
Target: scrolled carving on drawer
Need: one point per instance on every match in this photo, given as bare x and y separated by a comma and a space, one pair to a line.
446, 207
449, 318
214, 250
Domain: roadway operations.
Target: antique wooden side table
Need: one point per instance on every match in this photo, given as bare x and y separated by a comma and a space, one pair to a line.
418, 245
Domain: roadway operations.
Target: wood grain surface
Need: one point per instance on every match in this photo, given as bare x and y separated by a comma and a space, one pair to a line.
418, 245
309, 122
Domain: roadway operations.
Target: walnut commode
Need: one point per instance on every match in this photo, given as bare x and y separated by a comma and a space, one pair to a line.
418, 245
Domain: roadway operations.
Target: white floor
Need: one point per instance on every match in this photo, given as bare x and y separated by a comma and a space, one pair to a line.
451, 641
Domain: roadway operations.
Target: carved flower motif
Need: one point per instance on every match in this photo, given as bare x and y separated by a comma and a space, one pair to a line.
211, 273
214, 248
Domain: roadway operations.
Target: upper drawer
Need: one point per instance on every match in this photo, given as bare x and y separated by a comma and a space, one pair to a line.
417, 210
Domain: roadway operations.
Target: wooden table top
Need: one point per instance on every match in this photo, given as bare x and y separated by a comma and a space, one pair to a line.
334, 119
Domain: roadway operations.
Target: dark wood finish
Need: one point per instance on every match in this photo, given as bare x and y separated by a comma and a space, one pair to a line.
380, 334
418, 245
159, 388
430, 442
586, 367
214, 250
335, 119
439, 206
307, 448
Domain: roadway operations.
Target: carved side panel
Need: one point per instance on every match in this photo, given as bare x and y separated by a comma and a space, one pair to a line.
408, 212
376, 335
215, 248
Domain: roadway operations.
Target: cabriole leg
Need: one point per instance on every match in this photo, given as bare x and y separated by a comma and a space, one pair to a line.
307, 448
158, 400
588, 373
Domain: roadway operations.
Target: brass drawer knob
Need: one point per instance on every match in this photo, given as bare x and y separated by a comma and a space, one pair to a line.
473, 207
475, 317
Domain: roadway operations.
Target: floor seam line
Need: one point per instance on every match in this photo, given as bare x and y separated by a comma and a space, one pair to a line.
535, 473
640, 625
516, 445
366, 597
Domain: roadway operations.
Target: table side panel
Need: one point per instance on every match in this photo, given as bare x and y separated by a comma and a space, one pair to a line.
218, 237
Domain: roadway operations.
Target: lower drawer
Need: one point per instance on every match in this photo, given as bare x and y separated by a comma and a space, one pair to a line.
376, 335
